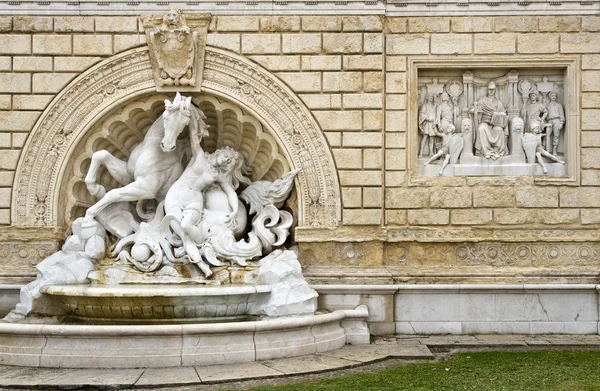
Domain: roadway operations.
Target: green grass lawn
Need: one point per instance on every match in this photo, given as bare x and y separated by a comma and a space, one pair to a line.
519, 371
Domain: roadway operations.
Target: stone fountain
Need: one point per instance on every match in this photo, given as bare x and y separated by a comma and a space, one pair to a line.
186, 262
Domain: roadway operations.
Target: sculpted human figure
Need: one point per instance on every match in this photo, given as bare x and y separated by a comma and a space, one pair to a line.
534, 111
427, 118
449, 147
492, 128
556, 121
445, 115
535, 138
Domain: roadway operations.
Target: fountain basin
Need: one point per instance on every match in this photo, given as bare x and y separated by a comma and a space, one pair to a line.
151, 303
171, 345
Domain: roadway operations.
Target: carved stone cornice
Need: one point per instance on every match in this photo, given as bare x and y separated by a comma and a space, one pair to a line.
43, 167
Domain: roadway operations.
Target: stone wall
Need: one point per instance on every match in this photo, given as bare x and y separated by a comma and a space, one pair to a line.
353, 73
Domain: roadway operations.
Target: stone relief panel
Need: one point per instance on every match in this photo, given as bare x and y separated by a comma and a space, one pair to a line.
492, 121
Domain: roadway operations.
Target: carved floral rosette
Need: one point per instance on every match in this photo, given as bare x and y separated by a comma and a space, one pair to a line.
42, 170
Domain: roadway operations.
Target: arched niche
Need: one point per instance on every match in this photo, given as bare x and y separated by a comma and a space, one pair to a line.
245, 98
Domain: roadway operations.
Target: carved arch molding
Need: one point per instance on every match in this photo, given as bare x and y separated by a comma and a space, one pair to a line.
43, 171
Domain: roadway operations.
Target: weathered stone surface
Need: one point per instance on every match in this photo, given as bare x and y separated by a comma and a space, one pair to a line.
352, 197
339, 120
493, 196
395, 159
301, 43
6, 178
514, 216
321, 23
472, 25
395, 63
471, 216
92, 45
74, 64
590, 216
395, 178
395, 121
226, 41
406, 198
407, 44
590, 80
590, 139
362, 23
373, 43
537, 43
590, 158
395, 101
346, 43
362, 101
5, 194
559, 23
590, 177
558, 216
280, 23
15, 82
45, 83
428, 216
372, 82
395, 25
537, 196
15, 44
237, 23
124, 42
116, 24
590, 119
278, 63
590, 100
5, 140
261, 44
395, 217
5, 63
322, 101
365, 62
32, 64
360, 178
579, 43
5, 24
451, 197
322, 63
590, 23
9, 158
395, 82
395, 140
5, 102
372, 197
348, 158
584, 197
362, 139
5, 216
372, 120
495, 43
429, 25
31, 102
69, 24
516, 24
19, 139
52, 44
302, 82
32, 23
342, 82
451, 44
334, 138
372, 158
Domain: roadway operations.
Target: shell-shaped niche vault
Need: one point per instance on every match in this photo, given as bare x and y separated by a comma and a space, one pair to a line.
121, 130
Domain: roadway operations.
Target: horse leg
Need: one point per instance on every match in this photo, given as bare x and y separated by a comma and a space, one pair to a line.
116, 168
131, 192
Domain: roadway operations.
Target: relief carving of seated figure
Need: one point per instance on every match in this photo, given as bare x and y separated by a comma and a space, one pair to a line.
492, 129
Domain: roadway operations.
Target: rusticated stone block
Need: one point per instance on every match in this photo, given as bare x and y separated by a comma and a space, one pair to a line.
339, 120
280, 23
32, 23
5, 102
406, 198
342, 81
7, 178
590, 216
407, 44
362, 101
590, 23
321, 23
395, 217
372, 197
372, 158
471, 216
225, 41
69, 24
395, 121
116, 24
590, 139
395, 82
302, 82
451, 197
15, 44
92, 45
558, 216
395, 140
537, 43
590, 80
31, 102
5, 140
395, 25
74, 64
428, 216
362, 140
395, 63
362, 23
487, 197
590, 100
5, 24
5, 194
322, 63
395, 101
52, 44
5, 216
590, 119
395, 178
124, 42
372, 120
322, 101
352, 197
516, 24
451, 44
348, 158
18, 139
590, 177
472, 24
15, 82
372, 81
360, 178
429, 25
9, 158
301, 43
261, 44
395, 159
579, 43
32, 64
46, 83
237, 23
559, 23
345, 43
579, 197
590, 158
373, 43
278, 63
537, 197
514, 216
334, 138
365, 62
495, 43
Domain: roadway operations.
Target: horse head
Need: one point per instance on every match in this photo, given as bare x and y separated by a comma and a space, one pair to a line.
176, 117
